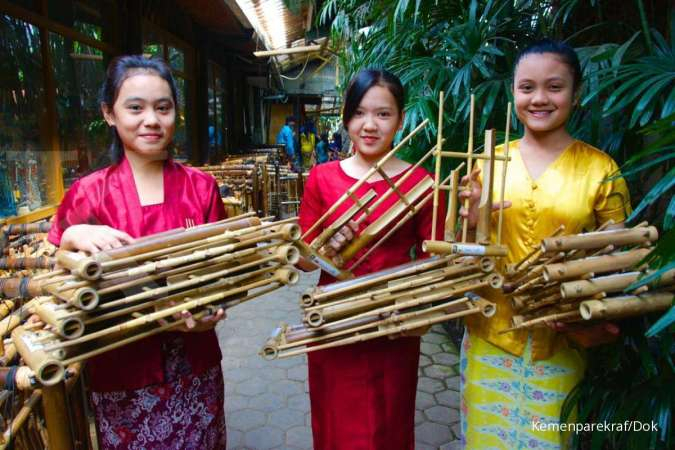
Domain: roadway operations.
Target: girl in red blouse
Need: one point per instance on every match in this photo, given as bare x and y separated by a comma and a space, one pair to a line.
165, 391
363, 395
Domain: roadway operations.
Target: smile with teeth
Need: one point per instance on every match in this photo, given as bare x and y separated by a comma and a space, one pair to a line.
541, 113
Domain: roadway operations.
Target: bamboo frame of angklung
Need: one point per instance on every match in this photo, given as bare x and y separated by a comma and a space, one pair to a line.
283, 344
482, 245
408, 205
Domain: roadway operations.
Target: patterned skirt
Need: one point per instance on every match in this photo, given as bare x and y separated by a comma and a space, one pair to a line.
184, 412
504, 397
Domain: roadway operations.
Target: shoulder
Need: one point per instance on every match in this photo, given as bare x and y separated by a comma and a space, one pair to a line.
326, 170
94, 180
196, 176
593, 157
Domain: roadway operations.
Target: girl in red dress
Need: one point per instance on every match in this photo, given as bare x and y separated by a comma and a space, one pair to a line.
166, 391
363, 395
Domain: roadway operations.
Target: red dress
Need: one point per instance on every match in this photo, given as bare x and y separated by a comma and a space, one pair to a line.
363, 395
151, 369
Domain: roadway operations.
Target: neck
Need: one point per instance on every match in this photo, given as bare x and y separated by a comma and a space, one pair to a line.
142, 165
553, 140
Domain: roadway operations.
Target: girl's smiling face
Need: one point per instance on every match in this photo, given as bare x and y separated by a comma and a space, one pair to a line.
374, 123
543, 91
144, 115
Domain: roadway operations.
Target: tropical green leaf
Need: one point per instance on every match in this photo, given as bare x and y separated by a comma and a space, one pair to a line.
667, 182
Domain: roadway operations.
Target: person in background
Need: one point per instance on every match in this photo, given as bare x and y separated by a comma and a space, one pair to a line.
307, 144
286, 138
335, 147
322, 149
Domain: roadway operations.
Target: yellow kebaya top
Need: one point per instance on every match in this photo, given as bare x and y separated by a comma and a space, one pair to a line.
570, 192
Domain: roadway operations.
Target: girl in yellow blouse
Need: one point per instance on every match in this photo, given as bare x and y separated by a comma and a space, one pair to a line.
513, 383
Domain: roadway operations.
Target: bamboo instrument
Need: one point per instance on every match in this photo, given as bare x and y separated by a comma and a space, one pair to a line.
451, 220
27, 228
48, 368
19, 287
504, 164
20, 418
447, 248
617, 238
439, 149
469, 166
630, 305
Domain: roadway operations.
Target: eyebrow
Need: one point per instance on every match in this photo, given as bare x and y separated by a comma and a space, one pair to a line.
141, 99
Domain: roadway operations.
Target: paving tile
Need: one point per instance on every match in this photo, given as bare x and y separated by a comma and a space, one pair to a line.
297, 373
287, 387
447, 359
432, 433
267, 402
439, 372
246, 420
424, 400
250, 387
286, 418
448, 398
425, 361
300, 437
235, 438
436, 338
442, 415
430, 385
235, 402
428, 348
453, 383
457, 430
299, 402
454, 445
264, 438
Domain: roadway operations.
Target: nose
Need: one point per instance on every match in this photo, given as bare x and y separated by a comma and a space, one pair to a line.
150, 118
369, 122
539, 97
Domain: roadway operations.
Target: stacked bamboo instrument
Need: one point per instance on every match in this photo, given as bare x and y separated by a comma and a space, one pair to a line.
586, 277
24, 247
390, 302
113, 298
244, 181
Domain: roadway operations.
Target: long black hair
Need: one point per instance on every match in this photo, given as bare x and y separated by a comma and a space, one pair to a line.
363, 81
566, 54
119, 70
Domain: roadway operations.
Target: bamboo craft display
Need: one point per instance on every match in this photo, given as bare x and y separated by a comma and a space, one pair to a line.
113, 298
587, 276
246, 180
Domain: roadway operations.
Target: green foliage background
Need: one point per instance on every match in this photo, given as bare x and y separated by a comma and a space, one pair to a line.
627, 108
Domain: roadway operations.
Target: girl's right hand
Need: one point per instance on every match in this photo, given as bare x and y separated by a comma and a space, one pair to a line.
93, 238
472, 191
340, 240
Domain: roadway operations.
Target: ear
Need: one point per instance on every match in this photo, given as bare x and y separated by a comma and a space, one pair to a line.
108, 115
400, 123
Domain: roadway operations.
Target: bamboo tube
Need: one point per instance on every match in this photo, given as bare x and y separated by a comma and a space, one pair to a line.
352, 190
82, 266
630, 305
67, 324
469, 167
504, 165
586, 288
437, 172
288, 232
485, 205
422, 279
569, 316
190, 282
362, 337
13, 320
317, 318
47, 368
23, 287
343, 220
378, 226
596, 265
20, 418
451, 218
6, 307
27, 228
55, 407
444, 248
323, 293
598, 239
284, 275
40, 262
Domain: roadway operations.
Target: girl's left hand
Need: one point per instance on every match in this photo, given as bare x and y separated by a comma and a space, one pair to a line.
204, 324
588, 336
